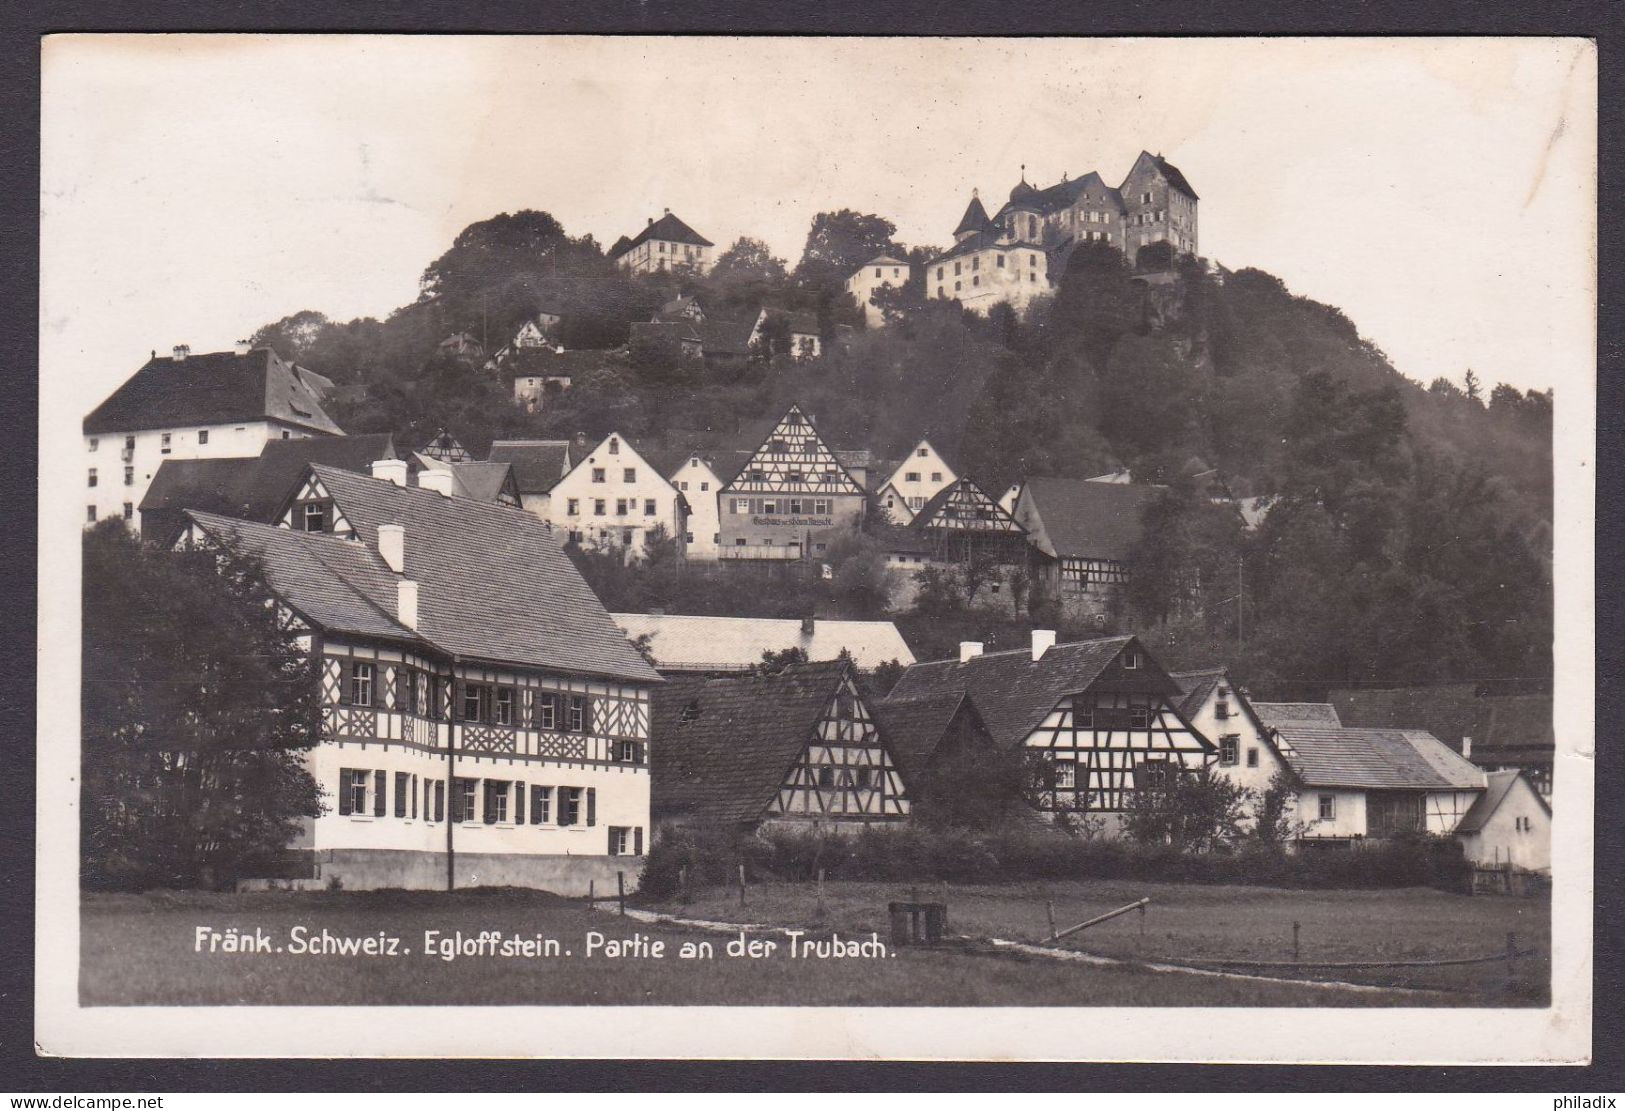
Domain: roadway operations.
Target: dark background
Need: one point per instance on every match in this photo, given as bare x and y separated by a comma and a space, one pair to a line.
21, 26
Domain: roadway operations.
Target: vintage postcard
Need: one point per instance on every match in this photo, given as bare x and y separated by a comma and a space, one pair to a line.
822, 548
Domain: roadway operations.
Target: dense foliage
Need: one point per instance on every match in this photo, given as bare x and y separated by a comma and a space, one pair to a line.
1408, 533
197, 709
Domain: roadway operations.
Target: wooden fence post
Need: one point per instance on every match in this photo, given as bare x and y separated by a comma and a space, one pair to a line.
820, 893
1512, 960
620, 891
1295, 952
682, 882
592, 899
741, 883
1049, 907
1142, 929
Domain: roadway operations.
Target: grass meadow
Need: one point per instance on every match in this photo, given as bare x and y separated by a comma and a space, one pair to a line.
143, 949
1196, 923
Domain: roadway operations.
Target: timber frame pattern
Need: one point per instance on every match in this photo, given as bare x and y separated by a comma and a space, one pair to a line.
844, 772
794, 462
1105, 745
962, 523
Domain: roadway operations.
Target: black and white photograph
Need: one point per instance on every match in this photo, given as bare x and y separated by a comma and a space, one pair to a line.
890, 548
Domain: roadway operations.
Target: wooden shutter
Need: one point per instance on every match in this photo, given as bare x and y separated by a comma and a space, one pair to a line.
345, 779
414, 796
490, 802
518, 803
592, 806
380, 787
613, 850
440, 800
637, 840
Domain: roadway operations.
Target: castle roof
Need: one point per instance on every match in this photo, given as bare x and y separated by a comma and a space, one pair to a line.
975, 218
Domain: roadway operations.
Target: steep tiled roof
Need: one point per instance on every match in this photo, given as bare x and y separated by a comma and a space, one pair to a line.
1449, 711
687, 643
720, 749
1174, 176
480, 481
1277, 714
1518, 723
216, 388
537, 464
1196, 686
680, 330
975, 218
1013, 691
495, 583
1375, 759
1091, 520
669, 228
338, 585
913, 728
254, 488
1498, 785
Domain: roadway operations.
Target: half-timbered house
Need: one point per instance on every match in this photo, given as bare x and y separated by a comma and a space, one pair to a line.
1355, 784
789, 498
484, 722
1088, 530
1103, 714
919, 477
799, 747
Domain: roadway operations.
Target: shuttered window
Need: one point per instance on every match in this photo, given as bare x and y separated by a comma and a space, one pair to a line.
380, 785
518, 803
540, 798
403, 787
637, 840
440, 800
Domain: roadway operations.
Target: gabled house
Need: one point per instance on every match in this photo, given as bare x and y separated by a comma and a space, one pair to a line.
1494, 731
615, 498
681, 308
221, 405
444, 447
789, 498
487, 482
962, 527
1220, 710
1102, 715
1367, 783
252, 489
682, 643
697, 479
1088, 529
1510, 825
798, 748
919, 477
804, 337
461, 343
484, 722
538, 466
664, 244
895, 503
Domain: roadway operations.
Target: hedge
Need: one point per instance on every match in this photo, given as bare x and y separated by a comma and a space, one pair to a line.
910, 854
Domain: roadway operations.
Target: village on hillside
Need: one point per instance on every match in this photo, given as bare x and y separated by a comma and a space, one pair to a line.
492, 711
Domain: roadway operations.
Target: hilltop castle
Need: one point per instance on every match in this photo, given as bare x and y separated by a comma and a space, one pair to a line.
1011, 255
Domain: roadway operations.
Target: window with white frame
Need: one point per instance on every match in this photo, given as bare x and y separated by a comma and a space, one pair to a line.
361, 676
1328, 808
1230, 749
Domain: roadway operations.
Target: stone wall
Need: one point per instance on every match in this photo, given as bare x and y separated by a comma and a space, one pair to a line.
373, 869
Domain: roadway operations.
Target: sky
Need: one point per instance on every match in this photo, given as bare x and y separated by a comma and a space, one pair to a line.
1440, 192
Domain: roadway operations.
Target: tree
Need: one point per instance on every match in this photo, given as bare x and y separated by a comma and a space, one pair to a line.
197, 710
840, 242
292, 336
1192, 812
1472, 387
1275, 822
773, 663
485, 253
938, 798
749, 259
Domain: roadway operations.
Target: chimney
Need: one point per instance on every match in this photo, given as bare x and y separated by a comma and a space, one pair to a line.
1466, 748
392, 546
180, 352
651, 222
390, 470
668, 212
969, 650
807, 624
1043, 641
438, 481
243, 347
406, 603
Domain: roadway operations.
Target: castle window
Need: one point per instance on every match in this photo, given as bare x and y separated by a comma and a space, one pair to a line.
93, 476
1001, 261
956, 271
956, 290
976, 263
93, 442
90, 513
939, 273
976, 280
877, 271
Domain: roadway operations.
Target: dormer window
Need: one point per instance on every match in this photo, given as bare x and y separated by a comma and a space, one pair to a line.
313, 516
